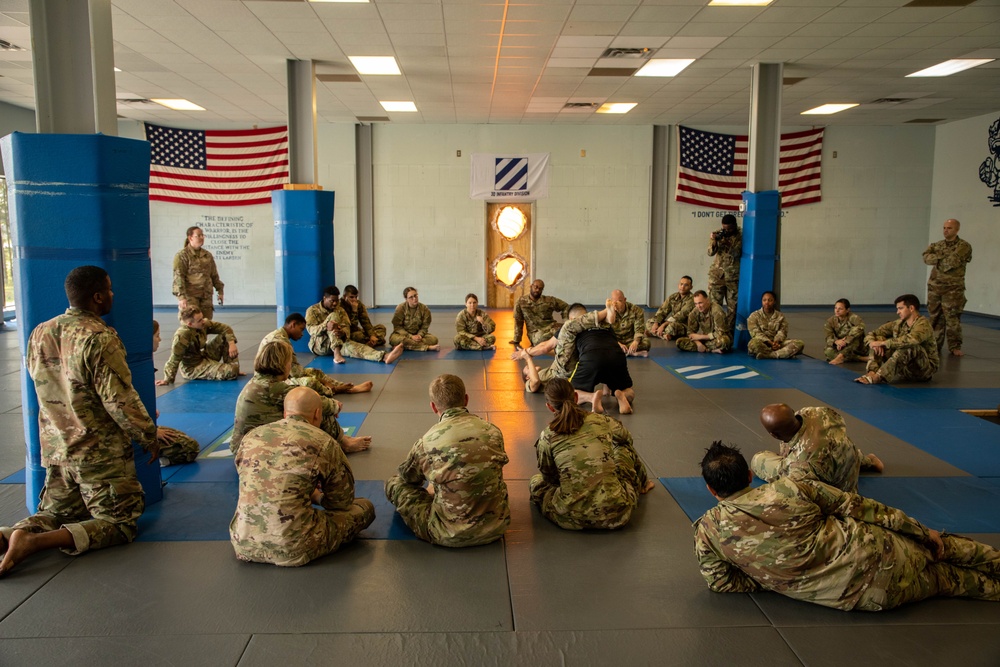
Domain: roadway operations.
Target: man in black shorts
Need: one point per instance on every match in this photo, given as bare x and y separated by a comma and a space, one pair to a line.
601, 361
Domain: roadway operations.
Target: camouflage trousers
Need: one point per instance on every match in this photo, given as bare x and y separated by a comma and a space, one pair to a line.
378, 330
333, 530
769, 466
318, 381
717, 343
724, 288
762, 350
355, 350
631, 474
542, 334
414, 505
402, 336
98, 504
177, 446
909, 364
944, 309
544, 375
217, 364
204, 303
908, 573
643, 346
673, 329
466, 341
851, 352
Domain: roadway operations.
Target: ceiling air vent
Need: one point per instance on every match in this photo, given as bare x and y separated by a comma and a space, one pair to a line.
925, 120
631, 54
373, 119
581, 106
891, 100
7, 46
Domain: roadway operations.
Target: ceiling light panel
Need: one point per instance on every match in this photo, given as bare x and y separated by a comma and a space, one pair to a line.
178, 104
617, 107
950, 67
664, 67
377, 65
398, 106
827, 109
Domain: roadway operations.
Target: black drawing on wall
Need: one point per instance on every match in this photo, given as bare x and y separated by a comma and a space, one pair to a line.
989, 170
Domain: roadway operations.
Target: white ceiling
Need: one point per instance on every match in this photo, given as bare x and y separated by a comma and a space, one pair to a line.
462, 61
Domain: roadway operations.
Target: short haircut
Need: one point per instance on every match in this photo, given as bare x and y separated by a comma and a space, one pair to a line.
470, 295
83, 282
908, 300
575, 308
688, 278
448, 391
407, 290
766, 292
295, 318
700, 292
189, 313
273, 358
350, 290
156, 326
331, 290
729, 219
847, 304
724, 469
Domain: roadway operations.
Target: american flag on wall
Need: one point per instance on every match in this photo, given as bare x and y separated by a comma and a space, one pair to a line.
216, 167
713, 168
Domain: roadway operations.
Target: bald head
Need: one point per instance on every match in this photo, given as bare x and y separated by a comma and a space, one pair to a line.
306, 403
618, 300
951, 229
780, 421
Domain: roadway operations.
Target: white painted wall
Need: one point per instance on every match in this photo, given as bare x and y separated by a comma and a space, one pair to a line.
960, 148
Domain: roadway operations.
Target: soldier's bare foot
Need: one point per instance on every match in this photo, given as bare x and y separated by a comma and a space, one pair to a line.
957, 353
648, 486
837, 360
598, 401
3, 544
393, 354
875, 463
338, 358
21, 545
624, 407
433, 348
351, 445
716, 351
361, 388
641, 353
241, 374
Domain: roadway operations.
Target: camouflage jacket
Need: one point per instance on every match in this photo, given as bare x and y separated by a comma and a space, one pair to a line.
727, 251
88, 411
948, 259
262, 401
630, 325
465, 323
675, 309
359, 318
462, 456
821, 450
188, 347
279, 466
319, 336
195, 274
566, 356
583, 467
851, 329
712, 323
899, 335
804, 539
298, 370
536, 315
414, 321
766, 328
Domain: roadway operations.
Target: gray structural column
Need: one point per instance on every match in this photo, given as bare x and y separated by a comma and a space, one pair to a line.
303, 154
366, 216
73, 67
765, 127
656, 289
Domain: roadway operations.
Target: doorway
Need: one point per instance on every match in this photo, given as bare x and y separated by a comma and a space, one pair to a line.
509, 239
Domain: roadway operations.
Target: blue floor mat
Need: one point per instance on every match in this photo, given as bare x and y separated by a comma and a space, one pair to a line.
955, 504
352, 367
957, 399
388, 525
203, 396
725, 371
14, 478
204, 427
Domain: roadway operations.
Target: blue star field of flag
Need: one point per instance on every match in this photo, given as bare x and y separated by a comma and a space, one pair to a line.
708, 152
173, 147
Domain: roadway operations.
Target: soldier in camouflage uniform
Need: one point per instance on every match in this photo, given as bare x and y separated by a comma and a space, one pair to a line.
590, 475
814, 445
198, 358
813, 542
670, 321
708, 329
175, 446
726, 245
845, 334
329, 327
946, 286
88, 416
629, 326
474, 328
362, 329
769, 332
903, 350
195, 275
462, 459
293, 329
261, 400
410, 323
534, 313
285, 468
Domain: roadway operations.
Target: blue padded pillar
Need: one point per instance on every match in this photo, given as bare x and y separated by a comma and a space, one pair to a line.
80, 199
303, 251
760, 256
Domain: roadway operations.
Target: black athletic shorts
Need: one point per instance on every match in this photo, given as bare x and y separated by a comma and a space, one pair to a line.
602, 361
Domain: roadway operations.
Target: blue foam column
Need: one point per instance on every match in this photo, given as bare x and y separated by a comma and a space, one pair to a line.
760, 255
303, 251
77, 199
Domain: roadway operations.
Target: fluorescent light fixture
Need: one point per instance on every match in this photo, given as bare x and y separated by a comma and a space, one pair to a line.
950, 67
739, 3
827, 109
616, 107
117, 70
398, 106
178, 105
664, 67
375, 64
338, 0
